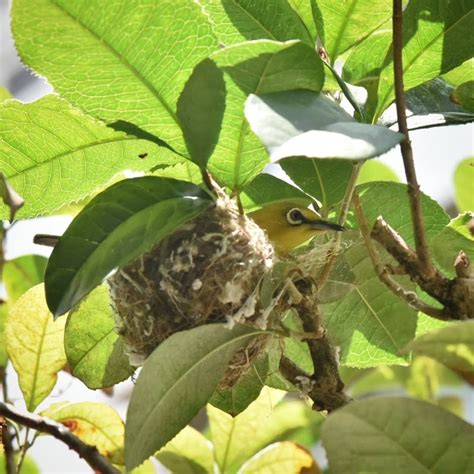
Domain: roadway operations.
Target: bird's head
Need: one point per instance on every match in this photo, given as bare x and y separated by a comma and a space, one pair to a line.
289, 225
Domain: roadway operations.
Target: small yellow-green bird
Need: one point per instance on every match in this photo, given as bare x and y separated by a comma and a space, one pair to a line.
288, 225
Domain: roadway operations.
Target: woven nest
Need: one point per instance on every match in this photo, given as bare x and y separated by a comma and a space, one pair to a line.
207, 271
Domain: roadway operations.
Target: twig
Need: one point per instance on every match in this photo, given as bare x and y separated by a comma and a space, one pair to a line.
89, 453
334, 248
6, 438
422, 250
24, 449
382, 271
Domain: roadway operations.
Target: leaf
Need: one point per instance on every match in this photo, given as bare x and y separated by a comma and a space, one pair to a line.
406, 435
21, 273
4, 94
236, 399
117, 226
325, 180
244, 20
128, 63
200, 110
34, 344
94, 350
302, 123
452, 345
456, 236
10, 197
374, 170
435, 40
428, 105
463, 179
176, 381
343, 24
284, 456
266, 189
256, 67
460, 74
464, 95
96, 424
189, 452
53, 155
231, 436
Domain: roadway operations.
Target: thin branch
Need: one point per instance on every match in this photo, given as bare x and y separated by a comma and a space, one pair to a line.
422, 250
24, 449
6, 437
334, 248
89, 453
382, 271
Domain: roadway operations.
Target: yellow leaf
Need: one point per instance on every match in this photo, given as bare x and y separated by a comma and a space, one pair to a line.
34, 344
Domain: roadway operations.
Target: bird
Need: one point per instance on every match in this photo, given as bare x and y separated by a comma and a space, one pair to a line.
288, 225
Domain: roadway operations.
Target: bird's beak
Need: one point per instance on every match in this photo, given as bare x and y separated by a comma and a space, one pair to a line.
326, 225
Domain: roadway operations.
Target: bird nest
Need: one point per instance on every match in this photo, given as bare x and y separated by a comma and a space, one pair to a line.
207, 271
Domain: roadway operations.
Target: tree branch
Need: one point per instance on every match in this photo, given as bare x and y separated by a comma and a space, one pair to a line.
89, 453
422, 250
383, 273
6, 438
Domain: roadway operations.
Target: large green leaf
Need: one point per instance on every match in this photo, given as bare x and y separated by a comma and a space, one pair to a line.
326, 180
189, 452
456, 236
463, 179
343, 24
200, 111
266, 189
236, 21
117, 226
256, 67
371, 324
96, 424
94, 350
437, 37
393, 435
460, 74
117, 60
21, 273
52, 154
452, 345
34, 344
304, 123
176, 381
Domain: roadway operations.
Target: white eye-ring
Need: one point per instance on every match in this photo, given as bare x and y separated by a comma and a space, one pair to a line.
294, 217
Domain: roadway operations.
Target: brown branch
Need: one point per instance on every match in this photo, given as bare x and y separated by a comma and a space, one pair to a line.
324, 386
6, 437
422, 251
89, 453
334, 248
457, 295
383, 273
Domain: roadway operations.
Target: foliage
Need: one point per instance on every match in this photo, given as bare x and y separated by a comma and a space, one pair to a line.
197, 97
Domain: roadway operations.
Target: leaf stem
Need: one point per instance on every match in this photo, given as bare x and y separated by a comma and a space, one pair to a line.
89, 453
422, 250
346, 203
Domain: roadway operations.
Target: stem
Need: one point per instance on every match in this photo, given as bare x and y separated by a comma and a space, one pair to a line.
89, 453
422, 250
24, 449
382, 272
6, 438
346, 203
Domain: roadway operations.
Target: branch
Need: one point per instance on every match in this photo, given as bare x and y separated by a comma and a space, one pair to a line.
383, 273
457, 295
6, 438
346, 203
89, 453
422, 250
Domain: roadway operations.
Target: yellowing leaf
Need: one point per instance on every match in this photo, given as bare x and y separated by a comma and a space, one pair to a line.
34, 344
96, 424
189, 452
280, 457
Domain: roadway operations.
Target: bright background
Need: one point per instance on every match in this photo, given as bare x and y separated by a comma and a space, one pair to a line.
437, 152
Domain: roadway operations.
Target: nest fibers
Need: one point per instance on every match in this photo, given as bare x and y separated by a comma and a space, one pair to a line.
207, 271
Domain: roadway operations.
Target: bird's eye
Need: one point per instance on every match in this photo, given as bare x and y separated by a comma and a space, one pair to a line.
294, 217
